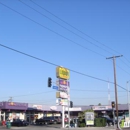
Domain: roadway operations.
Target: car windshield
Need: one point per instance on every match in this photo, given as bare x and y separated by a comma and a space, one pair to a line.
107, 118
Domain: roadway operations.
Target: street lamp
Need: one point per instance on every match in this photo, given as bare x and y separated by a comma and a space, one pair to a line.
128, 96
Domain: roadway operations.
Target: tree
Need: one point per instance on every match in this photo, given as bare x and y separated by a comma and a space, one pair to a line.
99, 104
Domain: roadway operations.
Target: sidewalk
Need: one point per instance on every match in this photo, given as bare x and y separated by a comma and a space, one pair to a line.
91, 128
14, 128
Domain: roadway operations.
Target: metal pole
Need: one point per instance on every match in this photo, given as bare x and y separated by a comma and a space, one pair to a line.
63, 116
68, 115
68, 105
128, 96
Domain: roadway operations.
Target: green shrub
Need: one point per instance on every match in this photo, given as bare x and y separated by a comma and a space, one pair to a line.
82, 125
100, 122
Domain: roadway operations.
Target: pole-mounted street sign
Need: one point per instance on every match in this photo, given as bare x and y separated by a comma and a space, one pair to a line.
55, 87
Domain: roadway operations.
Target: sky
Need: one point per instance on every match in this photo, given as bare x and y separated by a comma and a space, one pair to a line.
36, 36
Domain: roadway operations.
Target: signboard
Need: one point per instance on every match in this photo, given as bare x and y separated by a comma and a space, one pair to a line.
89, 118
38, 107
63, 82
63, 85
14, 105
62, 73
63, 88
55, 87
1, 104
49, 114
53, 108
61, 95
64, 102
73, 109
101, 107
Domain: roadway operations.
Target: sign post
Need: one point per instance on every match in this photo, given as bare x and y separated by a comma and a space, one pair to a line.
63, 75
63, 116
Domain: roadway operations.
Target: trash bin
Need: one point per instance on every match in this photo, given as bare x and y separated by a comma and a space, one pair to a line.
8, 125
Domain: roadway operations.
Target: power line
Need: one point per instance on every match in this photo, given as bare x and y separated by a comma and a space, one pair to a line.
30, 94
52, 30
58, 65
53, 91
123, 70
94, 97
63, 26
72, 26
92, 90
51, 100
56, 32
78, 31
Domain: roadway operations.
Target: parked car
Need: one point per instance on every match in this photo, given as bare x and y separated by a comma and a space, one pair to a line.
18, 122
58, 119
49, 120
109, 121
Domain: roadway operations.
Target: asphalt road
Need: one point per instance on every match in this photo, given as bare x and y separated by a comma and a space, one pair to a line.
57, 127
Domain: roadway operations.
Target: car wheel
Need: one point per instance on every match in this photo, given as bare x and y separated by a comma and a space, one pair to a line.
110, 124
55, 122
46, 123
106, 124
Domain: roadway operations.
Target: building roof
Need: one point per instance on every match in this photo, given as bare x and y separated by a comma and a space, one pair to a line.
25, 106
123, 107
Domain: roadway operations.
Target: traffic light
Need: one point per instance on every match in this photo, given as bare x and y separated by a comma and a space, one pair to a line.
49, 82
113, 104
71, 104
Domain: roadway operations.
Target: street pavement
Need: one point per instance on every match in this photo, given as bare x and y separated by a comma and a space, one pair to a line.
57, 127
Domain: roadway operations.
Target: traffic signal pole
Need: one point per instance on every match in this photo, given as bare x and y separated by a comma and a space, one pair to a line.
113, 116
116, 98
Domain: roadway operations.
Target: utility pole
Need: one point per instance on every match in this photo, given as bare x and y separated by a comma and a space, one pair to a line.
116, 98
10, 99
128, 96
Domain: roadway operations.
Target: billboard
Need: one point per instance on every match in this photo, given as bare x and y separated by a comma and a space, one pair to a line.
62, 73
61, 95
89, 118
64, 102
64, 85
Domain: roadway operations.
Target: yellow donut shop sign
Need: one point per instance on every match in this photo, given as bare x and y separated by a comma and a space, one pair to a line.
62, 73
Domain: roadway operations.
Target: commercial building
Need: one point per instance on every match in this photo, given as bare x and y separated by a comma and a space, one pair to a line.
30, 112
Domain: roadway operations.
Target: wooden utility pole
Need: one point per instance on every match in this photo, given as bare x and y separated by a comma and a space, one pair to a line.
116, 97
